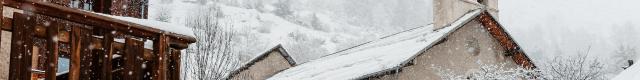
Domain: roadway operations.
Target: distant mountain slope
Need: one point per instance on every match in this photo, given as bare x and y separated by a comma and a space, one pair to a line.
308, 32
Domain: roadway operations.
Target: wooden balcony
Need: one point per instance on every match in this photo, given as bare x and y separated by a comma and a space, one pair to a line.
95, 47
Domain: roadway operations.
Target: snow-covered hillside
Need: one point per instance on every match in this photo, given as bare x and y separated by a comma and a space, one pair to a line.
308, 29
630, 73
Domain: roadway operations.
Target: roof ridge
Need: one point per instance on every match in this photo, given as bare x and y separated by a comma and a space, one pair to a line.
384, 37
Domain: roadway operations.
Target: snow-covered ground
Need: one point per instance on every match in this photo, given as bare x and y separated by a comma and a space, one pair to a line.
631, 73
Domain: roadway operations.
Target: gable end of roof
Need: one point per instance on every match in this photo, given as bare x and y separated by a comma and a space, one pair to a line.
498, 32
260, 57
285, 54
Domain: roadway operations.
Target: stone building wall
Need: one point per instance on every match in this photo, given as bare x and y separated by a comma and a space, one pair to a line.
263, 69
463, 52
5, 44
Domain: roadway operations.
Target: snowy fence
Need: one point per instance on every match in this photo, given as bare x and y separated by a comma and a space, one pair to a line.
51, 42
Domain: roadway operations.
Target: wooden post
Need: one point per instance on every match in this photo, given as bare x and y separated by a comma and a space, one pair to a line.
28, 44
76, 42
108, 56
1, 19
160, 50
175, 64
146, 9
87, 59
97, 6
52, 55
16, 50
133, 59
21, 47
107, 6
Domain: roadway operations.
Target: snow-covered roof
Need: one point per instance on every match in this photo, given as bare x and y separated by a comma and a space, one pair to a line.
630, 73
387, 53
248, 64
170, 27
278, 47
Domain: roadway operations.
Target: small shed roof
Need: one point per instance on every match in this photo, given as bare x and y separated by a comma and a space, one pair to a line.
261, 56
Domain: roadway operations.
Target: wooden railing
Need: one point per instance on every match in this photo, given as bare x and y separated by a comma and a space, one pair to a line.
98, 47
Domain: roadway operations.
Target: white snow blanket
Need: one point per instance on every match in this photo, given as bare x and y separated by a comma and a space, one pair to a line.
631, 73
385, 53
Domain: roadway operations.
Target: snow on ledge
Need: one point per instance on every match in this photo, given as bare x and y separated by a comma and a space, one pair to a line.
170, 27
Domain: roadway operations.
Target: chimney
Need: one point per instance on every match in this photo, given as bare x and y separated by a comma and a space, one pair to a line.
447, 11
491, 6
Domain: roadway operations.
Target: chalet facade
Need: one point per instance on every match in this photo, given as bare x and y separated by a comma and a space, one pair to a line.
87, 40
465, 35
264, 65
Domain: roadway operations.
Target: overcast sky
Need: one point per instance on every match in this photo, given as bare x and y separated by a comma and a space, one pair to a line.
545, 28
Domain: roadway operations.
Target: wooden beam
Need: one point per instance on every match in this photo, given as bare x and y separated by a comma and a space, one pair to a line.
175, 43
52, 55
133, 59
161, 50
